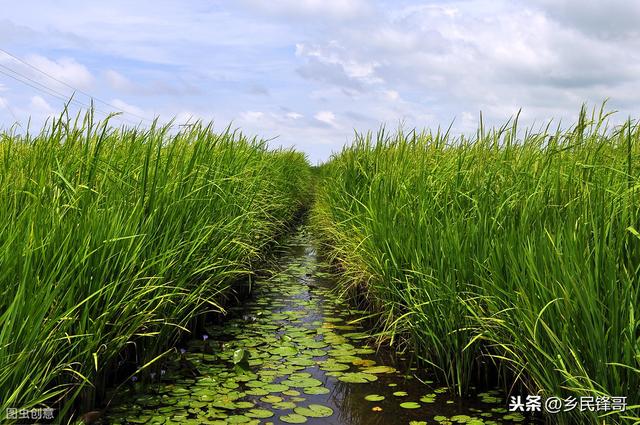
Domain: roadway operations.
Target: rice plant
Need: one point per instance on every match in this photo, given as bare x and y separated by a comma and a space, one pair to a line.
518, 250
113, 240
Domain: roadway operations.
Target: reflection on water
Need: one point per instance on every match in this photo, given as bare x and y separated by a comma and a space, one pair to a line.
292, 354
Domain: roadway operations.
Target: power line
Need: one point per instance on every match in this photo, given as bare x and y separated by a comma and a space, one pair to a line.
41, 87
51, 92
75, 89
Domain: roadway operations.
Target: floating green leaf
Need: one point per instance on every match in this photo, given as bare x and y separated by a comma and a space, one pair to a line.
429, 398
357, 378
240, 356
315, 390
293, 418
271, 399
285, 351
283, 405
257, 391
275, 388
334, 366
259, 413
314, 411
356, 335
374, 397
410, 405
244, 404
302, 382
237, 419
379, 369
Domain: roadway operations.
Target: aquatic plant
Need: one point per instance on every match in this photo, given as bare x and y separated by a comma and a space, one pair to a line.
113, 240
518, 245
296, 308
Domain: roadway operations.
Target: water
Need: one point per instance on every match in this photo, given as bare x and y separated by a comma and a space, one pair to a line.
293, 354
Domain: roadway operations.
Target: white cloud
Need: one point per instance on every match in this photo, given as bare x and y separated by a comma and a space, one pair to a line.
252, 116
294, 115
474, 55
326, 117
118, 81
334, 54
64, 69
186, 117
129, 110
40, 105
391, 95
271, 66
335, 63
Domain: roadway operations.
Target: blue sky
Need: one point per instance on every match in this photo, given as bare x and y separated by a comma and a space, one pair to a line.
309, 72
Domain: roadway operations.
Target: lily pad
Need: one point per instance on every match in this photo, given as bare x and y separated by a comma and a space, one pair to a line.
257, 391
462, 419
364, 362
356, 335
315, 390
374, 397
237, 419
275, 388
283, 405
314, 344
302, 382
429, 398
285, 351
334, 366
410, 405
301, 361
271, 399
240, 356
379, 369
259, 413
293, 418
314, 411
244, 404
357, 378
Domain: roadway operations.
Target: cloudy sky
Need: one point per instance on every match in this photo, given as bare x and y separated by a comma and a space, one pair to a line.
309, 72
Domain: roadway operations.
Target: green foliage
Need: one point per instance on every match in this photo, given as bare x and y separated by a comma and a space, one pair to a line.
112, 240
525, 249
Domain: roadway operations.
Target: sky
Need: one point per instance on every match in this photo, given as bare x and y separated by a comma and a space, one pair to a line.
308, 73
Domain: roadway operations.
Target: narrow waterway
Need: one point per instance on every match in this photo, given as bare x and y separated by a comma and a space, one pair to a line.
292, 353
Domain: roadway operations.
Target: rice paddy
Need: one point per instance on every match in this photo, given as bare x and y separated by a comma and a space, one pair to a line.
514, 257
114, 241
156, 276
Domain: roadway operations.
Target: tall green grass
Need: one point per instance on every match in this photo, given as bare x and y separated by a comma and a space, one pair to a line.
113, 239
520, 251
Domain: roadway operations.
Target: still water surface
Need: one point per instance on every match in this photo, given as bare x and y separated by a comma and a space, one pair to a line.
295, 353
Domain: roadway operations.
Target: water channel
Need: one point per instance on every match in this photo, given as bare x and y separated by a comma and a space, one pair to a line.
295, 353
